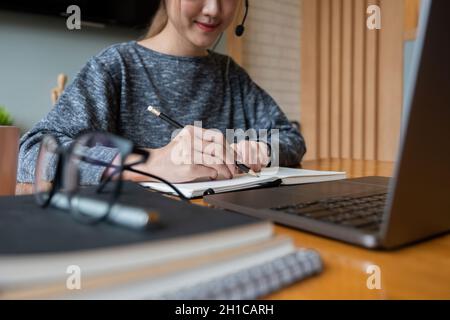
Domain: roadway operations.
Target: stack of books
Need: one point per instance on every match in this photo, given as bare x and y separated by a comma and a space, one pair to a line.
195, 253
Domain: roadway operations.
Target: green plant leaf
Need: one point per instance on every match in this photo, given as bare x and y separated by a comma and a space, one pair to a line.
5, 117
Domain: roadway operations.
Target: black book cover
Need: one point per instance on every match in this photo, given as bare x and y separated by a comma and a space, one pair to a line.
25, 228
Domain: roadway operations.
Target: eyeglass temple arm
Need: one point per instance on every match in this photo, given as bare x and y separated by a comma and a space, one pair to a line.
180, 194
129, 168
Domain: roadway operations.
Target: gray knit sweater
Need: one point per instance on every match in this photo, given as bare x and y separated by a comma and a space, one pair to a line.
113, 90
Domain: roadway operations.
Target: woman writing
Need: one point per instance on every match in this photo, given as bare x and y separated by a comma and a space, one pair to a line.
172, 69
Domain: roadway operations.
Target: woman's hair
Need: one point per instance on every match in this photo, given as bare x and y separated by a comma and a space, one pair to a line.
158, 21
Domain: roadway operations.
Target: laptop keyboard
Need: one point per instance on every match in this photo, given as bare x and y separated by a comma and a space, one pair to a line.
362, 212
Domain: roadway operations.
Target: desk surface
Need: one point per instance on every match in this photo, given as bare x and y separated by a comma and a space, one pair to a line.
421, 271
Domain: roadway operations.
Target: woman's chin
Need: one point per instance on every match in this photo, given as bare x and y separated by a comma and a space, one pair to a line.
204, 43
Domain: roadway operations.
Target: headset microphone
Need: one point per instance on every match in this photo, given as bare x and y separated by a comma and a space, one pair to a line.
240, 29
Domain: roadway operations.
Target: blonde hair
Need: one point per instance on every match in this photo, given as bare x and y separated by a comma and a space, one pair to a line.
158, 22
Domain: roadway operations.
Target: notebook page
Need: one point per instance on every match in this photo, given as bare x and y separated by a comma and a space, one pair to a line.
244, 181
282, 172
197, 189
299, 176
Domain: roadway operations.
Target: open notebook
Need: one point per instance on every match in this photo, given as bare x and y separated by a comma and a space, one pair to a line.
269, 176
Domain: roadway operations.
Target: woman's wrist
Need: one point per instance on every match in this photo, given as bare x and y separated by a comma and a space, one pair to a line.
110, 170
147, 167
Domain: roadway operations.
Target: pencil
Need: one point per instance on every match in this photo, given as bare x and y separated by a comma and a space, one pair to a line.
177, 125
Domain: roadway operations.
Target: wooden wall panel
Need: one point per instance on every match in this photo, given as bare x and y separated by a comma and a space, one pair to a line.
358, 86
390, 81
310, 79
235, 46
412, 8
347, 80
371, 91
325, 98
336, 81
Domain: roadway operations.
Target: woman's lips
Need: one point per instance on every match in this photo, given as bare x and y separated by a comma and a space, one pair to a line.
207, 27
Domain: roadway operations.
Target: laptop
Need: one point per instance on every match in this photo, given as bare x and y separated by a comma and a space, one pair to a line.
378, 212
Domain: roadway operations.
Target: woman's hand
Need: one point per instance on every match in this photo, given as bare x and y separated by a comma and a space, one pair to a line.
253, 154
195, 154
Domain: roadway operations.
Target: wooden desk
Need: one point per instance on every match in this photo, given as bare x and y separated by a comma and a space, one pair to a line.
421, 271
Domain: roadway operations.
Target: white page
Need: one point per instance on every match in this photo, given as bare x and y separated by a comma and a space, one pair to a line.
282, 172
195, 189
292, 176
240, 182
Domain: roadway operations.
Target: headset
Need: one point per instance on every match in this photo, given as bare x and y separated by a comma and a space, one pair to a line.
240, 29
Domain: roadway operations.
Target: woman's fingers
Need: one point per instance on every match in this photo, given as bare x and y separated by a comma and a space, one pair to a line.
214, 144
215, 136
252, 154
200, 172
209, 148
216, 153
263, 150
197, 154
223, 171
255, 161
258, 159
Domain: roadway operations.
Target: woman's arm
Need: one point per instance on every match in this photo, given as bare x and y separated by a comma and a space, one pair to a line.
262, 112
89, 103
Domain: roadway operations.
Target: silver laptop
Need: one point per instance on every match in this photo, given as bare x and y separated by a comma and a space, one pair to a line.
377, 212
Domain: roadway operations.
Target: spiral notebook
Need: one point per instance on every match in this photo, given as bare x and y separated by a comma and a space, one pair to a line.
247, 272
255, 282
269, 177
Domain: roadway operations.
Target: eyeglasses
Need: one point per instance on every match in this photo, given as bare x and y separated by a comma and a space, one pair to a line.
61, 170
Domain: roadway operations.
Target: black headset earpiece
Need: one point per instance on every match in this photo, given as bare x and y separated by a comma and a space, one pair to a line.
240, 29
